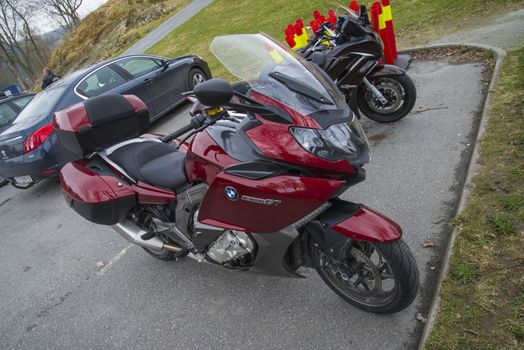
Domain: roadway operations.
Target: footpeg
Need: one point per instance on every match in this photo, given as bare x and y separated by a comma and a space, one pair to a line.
148, 235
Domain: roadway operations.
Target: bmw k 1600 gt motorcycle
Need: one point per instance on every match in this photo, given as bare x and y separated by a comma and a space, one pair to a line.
255, 189
350, 56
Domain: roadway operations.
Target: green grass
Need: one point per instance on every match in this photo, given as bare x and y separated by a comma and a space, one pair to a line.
483, 295
416, 21
465, 273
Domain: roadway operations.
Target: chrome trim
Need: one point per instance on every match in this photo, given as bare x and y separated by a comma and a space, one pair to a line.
363, 54
375, 91
105, 65
113, 148
116, 166
131, 232
13, 139
311, 215
105, 153
354, 66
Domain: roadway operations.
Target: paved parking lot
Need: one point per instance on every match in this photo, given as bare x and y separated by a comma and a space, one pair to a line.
66, 283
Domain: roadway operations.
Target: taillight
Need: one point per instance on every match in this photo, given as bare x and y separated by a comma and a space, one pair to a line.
37, 138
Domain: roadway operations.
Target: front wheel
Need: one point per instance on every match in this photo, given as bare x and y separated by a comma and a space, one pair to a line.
376, 277
400, 93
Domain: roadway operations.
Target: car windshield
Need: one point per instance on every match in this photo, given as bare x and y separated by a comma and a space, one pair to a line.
41, 104
274, 71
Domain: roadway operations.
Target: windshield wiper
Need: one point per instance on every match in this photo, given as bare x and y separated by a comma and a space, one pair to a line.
296, 86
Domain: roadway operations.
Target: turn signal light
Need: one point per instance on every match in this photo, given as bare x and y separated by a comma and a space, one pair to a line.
37, 138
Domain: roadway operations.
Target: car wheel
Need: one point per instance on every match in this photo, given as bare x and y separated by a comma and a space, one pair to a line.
196, 76
3, 181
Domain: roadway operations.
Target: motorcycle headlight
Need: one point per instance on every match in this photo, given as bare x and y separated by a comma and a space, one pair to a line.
340, 141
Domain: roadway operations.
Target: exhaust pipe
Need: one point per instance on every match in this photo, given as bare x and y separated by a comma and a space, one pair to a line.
131, 232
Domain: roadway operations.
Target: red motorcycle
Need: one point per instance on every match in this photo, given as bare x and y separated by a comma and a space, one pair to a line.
256, 188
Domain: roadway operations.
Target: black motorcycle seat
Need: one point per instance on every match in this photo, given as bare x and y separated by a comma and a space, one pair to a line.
155, 163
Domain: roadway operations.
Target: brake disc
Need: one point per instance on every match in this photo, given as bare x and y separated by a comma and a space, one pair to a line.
391, 91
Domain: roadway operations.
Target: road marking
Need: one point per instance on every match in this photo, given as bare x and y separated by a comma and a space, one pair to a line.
114, 260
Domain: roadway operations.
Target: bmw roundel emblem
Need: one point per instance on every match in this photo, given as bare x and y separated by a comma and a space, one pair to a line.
231, 193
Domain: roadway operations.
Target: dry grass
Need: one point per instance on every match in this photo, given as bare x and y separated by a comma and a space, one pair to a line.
110, 30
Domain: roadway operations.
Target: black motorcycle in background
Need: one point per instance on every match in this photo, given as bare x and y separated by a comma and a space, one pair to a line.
351, 55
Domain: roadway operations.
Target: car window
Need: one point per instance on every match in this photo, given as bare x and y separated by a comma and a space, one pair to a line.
22, 101
99, 82
7, 114
42, 104
138, 66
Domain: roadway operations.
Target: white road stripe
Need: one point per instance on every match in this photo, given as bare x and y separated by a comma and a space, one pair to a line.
114, 260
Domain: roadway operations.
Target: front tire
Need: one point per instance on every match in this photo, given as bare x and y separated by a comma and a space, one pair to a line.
382, 278
399, 90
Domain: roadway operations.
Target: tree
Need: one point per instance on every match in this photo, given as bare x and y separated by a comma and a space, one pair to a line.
64, 12
23, 54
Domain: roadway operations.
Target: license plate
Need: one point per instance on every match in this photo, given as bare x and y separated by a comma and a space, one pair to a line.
23, 179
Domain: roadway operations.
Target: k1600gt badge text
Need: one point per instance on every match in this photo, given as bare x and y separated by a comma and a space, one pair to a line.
273, 202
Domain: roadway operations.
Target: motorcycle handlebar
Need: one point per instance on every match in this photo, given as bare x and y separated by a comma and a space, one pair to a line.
196, 122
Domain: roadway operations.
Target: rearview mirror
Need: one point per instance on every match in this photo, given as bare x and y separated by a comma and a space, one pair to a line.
214, 92
165, 64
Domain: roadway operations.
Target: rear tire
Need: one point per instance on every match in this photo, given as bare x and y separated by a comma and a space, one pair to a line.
400, 266
400, 92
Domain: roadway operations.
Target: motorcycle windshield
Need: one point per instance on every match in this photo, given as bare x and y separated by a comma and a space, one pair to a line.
277, 72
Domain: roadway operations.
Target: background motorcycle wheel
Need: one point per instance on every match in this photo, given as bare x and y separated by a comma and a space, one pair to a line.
381, 278
398, 90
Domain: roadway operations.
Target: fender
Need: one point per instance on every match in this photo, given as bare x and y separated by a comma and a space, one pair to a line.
345, 221
385, 70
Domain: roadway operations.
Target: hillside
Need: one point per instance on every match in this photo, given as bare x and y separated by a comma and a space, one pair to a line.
110, 30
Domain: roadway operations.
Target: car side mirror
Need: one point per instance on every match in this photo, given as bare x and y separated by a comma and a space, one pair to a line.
214, 92
165, 64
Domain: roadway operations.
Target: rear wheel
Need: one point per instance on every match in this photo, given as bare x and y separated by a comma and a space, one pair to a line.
196, 76
400, 93
375, 277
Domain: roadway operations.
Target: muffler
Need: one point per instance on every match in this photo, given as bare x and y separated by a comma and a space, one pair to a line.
131, 232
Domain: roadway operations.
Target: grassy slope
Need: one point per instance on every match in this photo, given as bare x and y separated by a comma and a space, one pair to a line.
415, 20
111, 29
483, 295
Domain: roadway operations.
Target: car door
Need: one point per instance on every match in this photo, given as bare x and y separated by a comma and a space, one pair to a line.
152, 75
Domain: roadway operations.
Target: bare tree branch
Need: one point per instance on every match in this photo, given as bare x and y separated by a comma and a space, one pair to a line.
64, 12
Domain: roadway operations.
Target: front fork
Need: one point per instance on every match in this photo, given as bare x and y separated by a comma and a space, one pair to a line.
376, 92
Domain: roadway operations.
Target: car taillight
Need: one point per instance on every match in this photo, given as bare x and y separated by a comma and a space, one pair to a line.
37, 138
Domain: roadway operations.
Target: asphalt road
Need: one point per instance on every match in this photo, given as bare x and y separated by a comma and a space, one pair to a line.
66, 283
505, 31
165, 28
